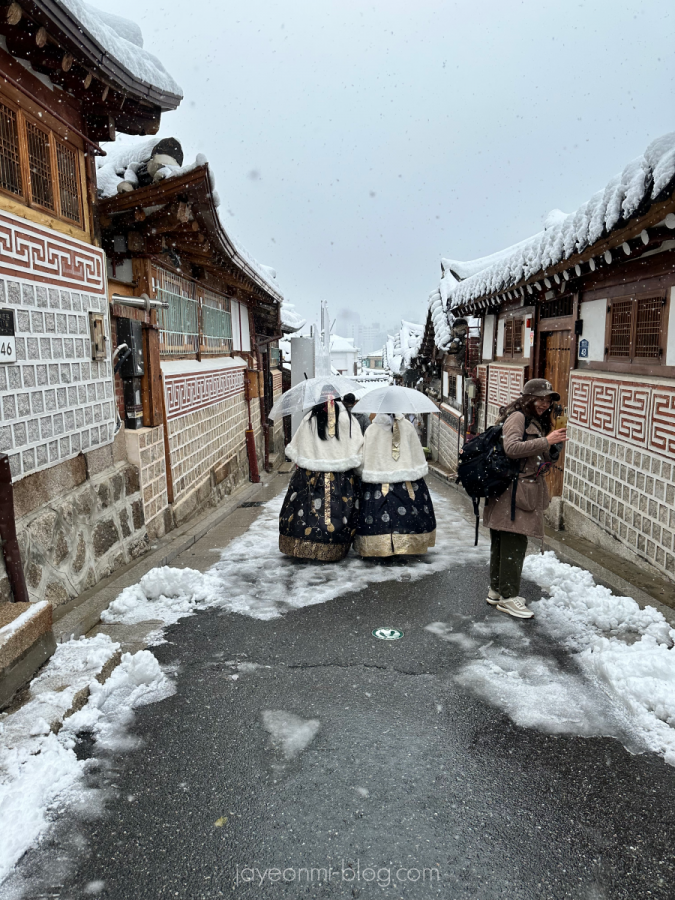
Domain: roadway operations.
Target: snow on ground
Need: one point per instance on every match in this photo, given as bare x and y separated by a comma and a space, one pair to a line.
253, 578
289, 733
39, 770
621, 683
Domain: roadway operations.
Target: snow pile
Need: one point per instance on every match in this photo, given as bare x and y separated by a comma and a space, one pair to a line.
290, 320
639, 676
39, 770
123, 41
253, 578
289, 733
643, 180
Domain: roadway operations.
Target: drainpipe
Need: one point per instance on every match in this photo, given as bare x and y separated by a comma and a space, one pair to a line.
250, 440
10, 545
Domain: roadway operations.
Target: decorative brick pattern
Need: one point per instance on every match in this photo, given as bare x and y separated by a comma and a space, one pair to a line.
505, 385
444, 439
29, 251
188, 392
638, 412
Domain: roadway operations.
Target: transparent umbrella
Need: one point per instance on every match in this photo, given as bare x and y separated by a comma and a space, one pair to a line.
395, 399
311, 391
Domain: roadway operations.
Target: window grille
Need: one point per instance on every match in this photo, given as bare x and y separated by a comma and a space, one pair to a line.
562, 306
179, 324
513, 337
69, 193
39, 163
508, 337
620, 328
216, 323
649, 311
635, 326
10, 163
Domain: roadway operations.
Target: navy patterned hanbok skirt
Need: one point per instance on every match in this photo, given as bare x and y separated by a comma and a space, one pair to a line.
395, 519
318, 517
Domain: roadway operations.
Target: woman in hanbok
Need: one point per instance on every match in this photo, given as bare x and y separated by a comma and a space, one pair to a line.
396, 515
317, 519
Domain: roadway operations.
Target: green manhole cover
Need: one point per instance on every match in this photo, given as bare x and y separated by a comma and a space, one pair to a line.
388, 634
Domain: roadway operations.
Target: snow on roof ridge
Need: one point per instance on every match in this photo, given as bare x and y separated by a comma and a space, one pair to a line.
643, 179
119, 38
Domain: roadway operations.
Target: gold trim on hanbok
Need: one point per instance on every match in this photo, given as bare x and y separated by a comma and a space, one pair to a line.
394, 544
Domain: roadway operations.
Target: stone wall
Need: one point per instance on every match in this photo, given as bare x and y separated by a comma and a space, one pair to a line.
77, 522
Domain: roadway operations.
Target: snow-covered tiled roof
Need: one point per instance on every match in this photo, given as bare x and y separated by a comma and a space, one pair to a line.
643, 181
121, 163
341, 344
401, 348
121, 40
290, 320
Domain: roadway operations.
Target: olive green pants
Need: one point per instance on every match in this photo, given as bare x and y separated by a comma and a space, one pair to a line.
507, 555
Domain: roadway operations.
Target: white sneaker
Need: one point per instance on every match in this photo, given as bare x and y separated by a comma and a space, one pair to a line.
515, 606
493, 597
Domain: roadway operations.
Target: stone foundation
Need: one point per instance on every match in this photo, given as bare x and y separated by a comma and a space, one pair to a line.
77, 522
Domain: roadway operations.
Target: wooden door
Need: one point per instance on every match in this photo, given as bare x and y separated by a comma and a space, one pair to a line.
557, 370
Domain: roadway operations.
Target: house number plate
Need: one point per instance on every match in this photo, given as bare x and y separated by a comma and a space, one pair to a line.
7, 339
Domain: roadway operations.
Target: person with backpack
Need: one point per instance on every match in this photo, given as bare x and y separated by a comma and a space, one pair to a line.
518, 512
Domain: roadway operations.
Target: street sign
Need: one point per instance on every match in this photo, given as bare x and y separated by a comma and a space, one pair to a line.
7, 339
387, 634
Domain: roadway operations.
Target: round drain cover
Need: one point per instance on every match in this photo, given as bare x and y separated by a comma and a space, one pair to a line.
387, 634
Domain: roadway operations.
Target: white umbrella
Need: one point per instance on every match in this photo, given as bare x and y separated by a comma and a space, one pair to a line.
311, 391
395, 399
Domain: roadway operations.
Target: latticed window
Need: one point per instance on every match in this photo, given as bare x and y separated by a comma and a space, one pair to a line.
649, 311
10, 162
513, 337
179, 324
39, 161
216, 323
635, 328
38, 166
69, 195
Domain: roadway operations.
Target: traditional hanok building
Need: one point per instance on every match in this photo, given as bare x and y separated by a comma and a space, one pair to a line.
589, 304
196, 408
70, 76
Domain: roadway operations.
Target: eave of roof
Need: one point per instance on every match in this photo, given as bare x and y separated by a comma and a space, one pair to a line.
196, 185
79, 42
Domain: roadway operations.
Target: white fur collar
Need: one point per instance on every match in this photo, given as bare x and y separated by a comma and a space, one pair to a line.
379, 466
308, 451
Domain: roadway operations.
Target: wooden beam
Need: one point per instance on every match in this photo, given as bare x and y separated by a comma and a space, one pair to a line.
41, 37
167, 219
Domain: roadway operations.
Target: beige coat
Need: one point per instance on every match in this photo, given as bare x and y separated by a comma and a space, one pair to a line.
532, 496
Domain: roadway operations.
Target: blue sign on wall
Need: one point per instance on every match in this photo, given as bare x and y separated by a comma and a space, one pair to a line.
583, 349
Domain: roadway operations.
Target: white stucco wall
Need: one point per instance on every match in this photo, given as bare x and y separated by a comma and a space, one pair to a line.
594, 315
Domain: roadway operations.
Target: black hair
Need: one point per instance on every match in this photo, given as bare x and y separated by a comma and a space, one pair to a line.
320, 413
525, 405
349, 399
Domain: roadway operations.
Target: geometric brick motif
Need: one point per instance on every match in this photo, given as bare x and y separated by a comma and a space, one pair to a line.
506, 384
638, 413
191, 391
26, 250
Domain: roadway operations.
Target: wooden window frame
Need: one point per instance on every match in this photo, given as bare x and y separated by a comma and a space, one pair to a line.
639, 365
25, 197
510, 326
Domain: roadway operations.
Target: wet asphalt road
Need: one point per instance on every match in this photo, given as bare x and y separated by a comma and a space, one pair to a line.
407, 772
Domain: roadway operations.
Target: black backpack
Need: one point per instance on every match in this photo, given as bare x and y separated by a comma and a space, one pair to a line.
484, 469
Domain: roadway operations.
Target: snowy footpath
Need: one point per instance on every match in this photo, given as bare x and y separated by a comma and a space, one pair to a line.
624, 654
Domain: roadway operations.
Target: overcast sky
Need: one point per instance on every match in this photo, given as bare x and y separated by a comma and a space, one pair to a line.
355, 143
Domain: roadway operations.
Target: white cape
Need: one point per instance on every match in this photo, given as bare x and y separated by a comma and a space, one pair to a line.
308, 451
379, 466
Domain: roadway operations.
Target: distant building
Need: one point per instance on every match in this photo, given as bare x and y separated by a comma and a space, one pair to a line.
343, 354
373, 360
